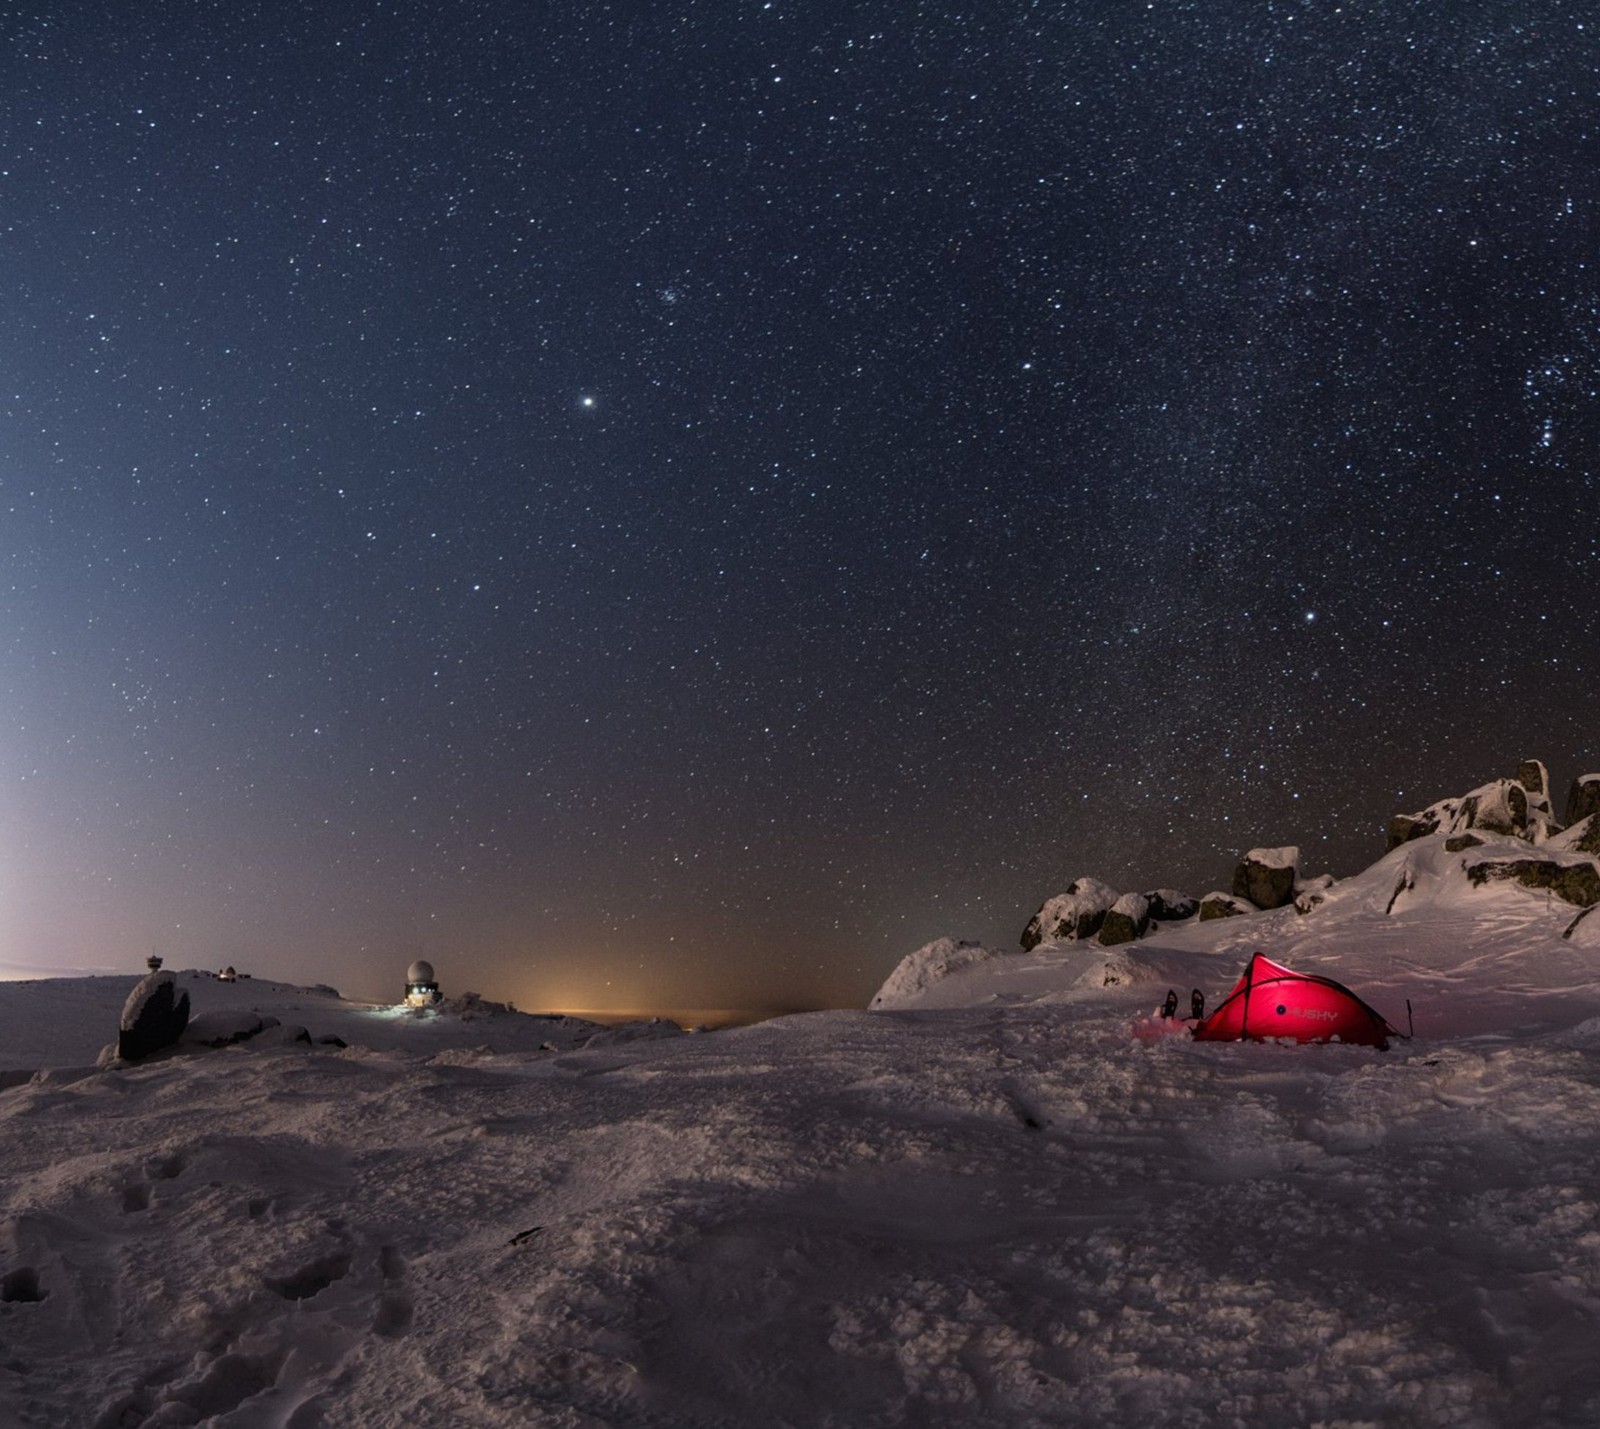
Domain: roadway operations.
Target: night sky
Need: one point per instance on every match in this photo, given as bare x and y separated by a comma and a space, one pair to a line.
675, 505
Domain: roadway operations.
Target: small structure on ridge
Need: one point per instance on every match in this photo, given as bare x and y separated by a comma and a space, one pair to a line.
422, 988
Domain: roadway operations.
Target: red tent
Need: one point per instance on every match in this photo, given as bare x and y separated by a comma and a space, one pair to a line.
1274, 1001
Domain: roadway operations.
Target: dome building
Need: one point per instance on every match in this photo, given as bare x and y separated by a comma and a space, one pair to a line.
422, 989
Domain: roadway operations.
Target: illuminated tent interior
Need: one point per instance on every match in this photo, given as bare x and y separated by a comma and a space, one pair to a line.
1272, 1001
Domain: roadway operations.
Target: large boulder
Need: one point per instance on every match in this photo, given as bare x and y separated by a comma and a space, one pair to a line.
153, 1017
1583, 798
1127, 919
1535, 781
1075, 914
1266, 876
1534, 778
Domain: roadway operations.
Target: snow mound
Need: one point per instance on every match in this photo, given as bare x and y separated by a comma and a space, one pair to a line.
930, 964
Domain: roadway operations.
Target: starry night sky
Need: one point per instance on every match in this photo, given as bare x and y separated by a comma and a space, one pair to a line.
676, 505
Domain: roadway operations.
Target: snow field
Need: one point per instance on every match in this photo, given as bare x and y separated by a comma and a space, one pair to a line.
988, 1205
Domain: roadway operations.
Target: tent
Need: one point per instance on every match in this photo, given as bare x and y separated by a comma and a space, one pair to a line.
1274, 1001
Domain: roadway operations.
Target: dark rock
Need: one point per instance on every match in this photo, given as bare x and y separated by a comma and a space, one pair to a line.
1219, 905
1461, 841
1167, 905
1575, 883
1534, 777
1127, 919
1583, 798
329, 1040
1405, 827
1404, 884
1266, 877
153, 1017
1585, 837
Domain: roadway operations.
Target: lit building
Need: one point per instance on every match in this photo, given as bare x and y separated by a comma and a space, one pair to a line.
422, 990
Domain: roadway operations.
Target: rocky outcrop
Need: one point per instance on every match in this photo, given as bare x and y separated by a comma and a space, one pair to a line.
1265, 876
1075, 914
1510, 808
1577, 882
1127, 919
1583, 798
153, 1017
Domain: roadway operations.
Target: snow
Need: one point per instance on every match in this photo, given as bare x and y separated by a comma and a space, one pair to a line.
930, 964
991, 1204
1288, 857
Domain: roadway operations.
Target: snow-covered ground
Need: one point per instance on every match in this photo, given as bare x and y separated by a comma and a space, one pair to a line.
990, 1204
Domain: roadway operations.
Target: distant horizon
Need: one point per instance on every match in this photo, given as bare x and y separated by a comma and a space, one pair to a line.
709, 1017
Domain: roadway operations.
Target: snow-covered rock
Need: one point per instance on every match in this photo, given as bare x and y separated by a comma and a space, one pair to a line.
1501, 806
1312, 893
1221, 905
931, 963
153, 1017
1126, 920
1266, 876
1168, 905
224, 1026
1075, 914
